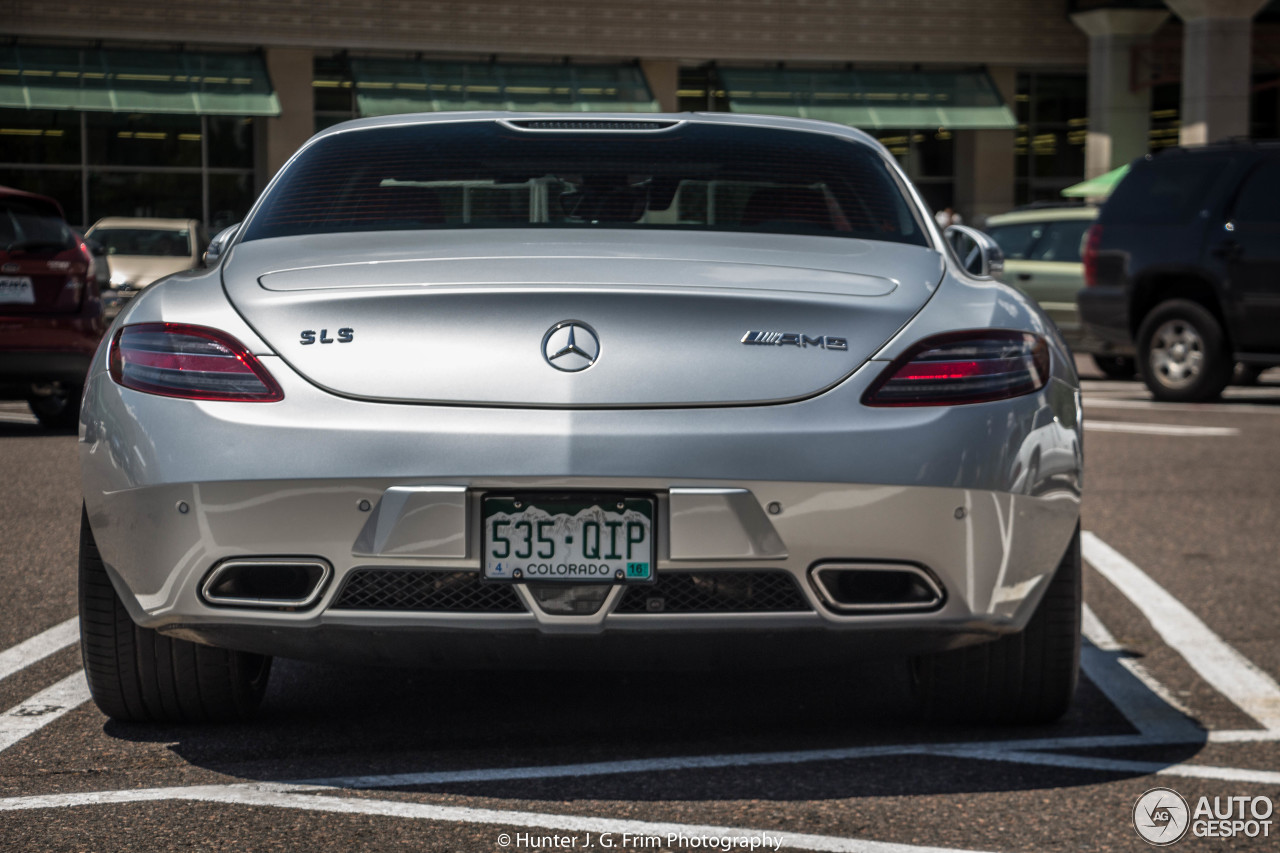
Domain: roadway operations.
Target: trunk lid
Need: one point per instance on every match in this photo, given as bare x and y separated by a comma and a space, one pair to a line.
463, 317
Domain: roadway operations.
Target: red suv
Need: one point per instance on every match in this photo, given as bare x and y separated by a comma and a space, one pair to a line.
50, 308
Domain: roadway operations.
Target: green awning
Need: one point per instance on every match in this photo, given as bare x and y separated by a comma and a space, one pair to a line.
135, 81
1099, 187
391, 86
871, 99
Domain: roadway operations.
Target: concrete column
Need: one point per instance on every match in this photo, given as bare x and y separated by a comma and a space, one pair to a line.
1216, 67
291, 71
664, 81
985, 167
1119, 117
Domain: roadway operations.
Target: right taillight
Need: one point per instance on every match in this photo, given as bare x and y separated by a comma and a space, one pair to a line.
1089, 255
964, 367
192, 362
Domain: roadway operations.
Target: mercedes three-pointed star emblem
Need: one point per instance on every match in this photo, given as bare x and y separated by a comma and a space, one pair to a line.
570, 345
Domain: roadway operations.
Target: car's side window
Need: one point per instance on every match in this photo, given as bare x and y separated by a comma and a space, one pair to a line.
1257, 202
1017, 241
1061, 241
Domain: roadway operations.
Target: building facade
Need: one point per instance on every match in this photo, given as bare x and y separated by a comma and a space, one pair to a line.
149, 108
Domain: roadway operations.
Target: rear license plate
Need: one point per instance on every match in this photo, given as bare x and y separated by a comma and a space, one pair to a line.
14, 289
569, 538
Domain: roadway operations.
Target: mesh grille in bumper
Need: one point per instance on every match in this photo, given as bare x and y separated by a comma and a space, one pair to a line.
716, 592
419, 590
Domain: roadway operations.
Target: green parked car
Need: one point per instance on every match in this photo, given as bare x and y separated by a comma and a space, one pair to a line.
1042, 259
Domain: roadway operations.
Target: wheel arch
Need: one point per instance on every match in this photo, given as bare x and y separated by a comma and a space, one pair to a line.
1156, 287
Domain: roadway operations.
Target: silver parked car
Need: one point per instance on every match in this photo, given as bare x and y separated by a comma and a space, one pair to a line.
520, 389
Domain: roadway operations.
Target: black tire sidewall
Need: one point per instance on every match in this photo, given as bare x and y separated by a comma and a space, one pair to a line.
57, 411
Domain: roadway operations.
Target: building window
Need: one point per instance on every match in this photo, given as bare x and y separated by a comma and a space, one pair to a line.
335, 99
929, 159
1053, 121
100, 164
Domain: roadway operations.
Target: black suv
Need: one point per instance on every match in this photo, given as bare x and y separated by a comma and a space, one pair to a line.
1183, 267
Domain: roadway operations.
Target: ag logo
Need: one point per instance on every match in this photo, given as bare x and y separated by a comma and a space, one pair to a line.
1161, 816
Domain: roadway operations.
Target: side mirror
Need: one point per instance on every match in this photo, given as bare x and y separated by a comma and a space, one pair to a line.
219, 244
977, 252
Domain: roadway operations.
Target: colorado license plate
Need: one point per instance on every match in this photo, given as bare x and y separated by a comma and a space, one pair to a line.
16, 289
575, 539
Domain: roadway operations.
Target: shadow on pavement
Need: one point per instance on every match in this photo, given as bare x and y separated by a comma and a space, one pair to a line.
324, 721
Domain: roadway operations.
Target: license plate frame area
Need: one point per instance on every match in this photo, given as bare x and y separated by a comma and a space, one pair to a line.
568, 538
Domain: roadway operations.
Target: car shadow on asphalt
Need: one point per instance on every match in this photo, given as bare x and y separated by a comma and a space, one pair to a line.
32, 430
326, 722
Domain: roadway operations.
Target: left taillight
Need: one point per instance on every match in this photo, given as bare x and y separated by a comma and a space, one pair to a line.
192, 362
964, 367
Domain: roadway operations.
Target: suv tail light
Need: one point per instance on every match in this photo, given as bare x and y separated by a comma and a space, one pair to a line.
964, 367
1089, 255
192, 362
72, 295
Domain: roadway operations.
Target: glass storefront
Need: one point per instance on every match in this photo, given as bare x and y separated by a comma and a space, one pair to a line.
1053, 122
100, 164
929, 159
926, 155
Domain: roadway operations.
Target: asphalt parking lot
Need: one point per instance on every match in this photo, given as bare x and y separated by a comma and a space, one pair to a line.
1181, 662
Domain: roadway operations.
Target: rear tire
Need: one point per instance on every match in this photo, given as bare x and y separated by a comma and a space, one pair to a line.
1183, 353
59, 409
1116, 366
1024, 678
138, 675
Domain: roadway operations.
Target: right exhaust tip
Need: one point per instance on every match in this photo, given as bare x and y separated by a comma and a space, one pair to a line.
877, 587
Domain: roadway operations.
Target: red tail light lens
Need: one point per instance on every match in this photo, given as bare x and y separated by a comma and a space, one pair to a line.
964, 367
191, 362
1089, 255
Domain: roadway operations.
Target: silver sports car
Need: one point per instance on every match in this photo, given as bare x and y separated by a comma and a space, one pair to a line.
517, 390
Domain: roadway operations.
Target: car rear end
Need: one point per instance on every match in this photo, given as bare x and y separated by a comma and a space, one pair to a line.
50, 312
518, 389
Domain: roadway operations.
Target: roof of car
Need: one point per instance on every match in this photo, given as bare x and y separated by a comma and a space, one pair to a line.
33, 198
1045, 214
546, 119
142, 222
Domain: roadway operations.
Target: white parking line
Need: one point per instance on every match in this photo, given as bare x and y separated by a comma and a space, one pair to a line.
1228, 671
309, 799
1092, 401
1144, 701
39, 647
1114, 765
1158, 429
42, 709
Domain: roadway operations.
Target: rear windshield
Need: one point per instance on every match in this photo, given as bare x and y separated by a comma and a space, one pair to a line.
1167, 192
487, 175
151, 242
31, 228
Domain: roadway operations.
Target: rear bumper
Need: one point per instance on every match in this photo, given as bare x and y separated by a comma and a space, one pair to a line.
990, 553
1104, 311
37, 349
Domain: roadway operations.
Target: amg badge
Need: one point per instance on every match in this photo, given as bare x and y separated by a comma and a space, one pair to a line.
793, 339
